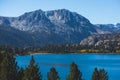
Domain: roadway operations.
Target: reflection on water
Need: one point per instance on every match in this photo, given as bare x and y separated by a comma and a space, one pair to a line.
85, 62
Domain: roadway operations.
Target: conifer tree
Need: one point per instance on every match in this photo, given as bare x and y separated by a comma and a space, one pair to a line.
1, 58
74, 74
20, 74
32, 71
95, 75
103, 74
99, 74
53, 75
8, 68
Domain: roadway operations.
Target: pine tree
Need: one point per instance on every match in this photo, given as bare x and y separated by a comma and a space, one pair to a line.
74, 74
99, 74
20, 74
8, 67
95, 75
53, 75
32, 71
103, 74
1, 58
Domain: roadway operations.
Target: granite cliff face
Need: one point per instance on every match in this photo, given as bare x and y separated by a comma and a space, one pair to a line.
103, 40
50, 27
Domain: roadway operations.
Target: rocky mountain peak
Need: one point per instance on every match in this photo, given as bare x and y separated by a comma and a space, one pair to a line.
118, 25
38, 14
112, 28
51, 27
67, 17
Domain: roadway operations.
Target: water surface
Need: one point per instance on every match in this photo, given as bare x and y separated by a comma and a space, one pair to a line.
86, 64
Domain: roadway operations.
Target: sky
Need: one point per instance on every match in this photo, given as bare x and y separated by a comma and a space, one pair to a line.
97, 11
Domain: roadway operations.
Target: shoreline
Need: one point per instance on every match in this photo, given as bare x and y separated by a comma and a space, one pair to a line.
75, 53
69, 54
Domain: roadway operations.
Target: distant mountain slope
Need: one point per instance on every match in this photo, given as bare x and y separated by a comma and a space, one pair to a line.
103, 40
110, 28
47, 27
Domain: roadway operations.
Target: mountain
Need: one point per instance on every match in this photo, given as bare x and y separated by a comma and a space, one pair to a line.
110, 28
14, 37
45, 27
103, 40
118, 25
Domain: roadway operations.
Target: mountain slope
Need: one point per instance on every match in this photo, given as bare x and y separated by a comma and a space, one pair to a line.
48, 27
14, 37
39, 27
103, 40
110, 28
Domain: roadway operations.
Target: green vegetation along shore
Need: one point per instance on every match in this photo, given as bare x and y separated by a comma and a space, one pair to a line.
62, 49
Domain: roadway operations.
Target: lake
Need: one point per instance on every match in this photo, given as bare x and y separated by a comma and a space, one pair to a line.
85, 62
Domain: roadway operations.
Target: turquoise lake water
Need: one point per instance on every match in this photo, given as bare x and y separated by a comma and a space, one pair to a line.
86, 64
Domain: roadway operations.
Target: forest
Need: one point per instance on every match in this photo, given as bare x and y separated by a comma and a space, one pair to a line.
58, 49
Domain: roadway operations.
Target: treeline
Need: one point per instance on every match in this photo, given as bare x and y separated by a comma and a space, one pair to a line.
13, 50
58, 48
9, 70
72, 48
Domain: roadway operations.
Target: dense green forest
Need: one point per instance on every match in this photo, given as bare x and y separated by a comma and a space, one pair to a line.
9, 70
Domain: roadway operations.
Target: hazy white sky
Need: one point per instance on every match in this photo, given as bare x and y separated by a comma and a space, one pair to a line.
97, 11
